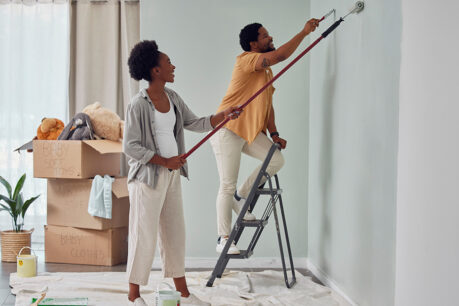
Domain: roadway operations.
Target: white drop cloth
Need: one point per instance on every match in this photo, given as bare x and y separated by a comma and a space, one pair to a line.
235, 288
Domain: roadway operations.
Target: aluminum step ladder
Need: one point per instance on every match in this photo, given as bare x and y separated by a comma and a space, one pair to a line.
275, 198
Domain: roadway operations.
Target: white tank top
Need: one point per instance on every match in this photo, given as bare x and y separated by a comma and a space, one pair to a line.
164, 127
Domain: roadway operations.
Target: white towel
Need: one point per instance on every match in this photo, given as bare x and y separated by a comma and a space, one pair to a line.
100, 199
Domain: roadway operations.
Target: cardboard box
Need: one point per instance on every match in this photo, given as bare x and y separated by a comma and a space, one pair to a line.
68, 204
84, 246
75, 158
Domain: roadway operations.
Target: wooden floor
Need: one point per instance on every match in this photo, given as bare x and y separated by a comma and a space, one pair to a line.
8, 299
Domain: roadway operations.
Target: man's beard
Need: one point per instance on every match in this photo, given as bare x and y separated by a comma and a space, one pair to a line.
269, 48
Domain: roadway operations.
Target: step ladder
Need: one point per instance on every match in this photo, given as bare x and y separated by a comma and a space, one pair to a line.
275, 197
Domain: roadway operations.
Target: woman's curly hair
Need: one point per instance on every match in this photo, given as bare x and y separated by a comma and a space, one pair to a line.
144, 56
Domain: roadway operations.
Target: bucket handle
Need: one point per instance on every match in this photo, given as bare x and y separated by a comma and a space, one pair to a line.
170, 287
26, 247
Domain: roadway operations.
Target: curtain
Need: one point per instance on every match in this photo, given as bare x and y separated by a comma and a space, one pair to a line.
102, 35
34, 69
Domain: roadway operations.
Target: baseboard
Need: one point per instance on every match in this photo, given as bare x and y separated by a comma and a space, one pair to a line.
329, 282
253, 262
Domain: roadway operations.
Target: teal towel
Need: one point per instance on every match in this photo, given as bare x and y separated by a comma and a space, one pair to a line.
100, 199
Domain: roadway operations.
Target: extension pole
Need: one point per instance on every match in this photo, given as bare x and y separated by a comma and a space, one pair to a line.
324, 34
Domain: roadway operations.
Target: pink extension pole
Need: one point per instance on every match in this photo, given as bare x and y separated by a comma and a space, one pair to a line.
325, 34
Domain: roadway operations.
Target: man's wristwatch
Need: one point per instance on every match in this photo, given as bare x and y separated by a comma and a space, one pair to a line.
274, 134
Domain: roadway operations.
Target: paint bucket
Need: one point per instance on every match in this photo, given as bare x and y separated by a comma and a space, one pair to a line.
167, 297
26, 264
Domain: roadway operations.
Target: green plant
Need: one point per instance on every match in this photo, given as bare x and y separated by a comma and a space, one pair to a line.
16, 206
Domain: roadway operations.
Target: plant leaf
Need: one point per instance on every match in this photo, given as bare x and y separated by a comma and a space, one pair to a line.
27, 204
19, 203
6, 208
6, 184
11, 203
19, 186
7, 200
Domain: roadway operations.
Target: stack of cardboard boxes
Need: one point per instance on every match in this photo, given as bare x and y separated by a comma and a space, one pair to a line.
72, 234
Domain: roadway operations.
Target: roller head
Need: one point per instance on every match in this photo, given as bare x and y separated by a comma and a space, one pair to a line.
359, 6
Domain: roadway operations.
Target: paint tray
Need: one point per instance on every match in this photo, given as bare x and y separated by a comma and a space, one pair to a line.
62, 301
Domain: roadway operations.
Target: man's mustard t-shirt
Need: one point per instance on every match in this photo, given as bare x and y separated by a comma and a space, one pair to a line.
245, 81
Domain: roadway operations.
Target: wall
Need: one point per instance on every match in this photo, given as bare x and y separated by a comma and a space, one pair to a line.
428, 170
353, 146
201, 38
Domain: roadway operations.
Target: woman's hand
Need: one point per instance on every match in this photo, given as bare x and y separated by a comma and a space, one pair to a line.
175, 162
232, 112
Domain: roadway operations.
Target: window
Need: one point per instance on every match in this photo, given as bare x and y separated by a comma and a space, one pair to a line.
34, 70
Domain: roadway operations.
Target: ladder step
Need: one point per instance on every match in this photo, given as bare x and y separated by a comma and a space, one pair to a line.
244, 254
254, 223
268, 191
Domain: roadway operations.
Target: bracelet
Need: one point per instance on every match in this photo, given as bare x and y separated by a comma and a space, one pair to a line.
274, 134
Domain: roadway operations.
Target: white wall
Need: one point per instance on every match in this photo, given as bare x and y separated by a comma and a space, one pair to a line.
353, 146
428, 168
201, 38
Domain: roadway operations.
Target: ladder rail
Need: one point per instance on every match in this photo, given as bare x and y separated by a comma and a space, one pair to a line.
288, 283
287, 240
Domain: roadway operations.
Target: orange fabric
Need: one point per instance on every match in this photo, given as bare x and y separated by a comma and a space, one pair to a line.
50, 129
244, 83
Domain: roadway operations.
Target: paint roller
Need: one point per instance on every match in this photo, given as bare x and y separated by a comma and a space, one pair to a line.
357, 8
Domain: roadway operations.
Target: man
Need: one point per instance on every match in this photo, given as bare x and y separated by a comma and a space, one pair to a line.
248, 133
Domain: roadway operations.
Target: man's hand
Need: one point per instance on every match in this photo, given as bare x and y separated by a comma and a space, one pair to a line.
175, 162
282, 142
310, 26
232, 112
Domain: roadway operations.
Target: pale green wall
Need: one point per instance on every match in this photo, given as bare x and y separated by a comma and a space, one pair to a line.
428, 167
353, 149
201, 38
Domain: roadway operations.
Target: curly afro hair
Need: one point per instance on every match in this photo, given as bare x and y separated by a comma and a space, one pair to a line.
249, 33
144, 56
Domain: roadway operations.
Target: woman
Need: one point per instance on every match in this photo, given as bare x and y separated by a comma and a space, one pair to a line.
154, 143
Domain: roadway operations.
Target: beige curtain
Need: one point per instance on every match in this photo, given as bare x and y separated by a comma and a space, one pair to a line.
101, 35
